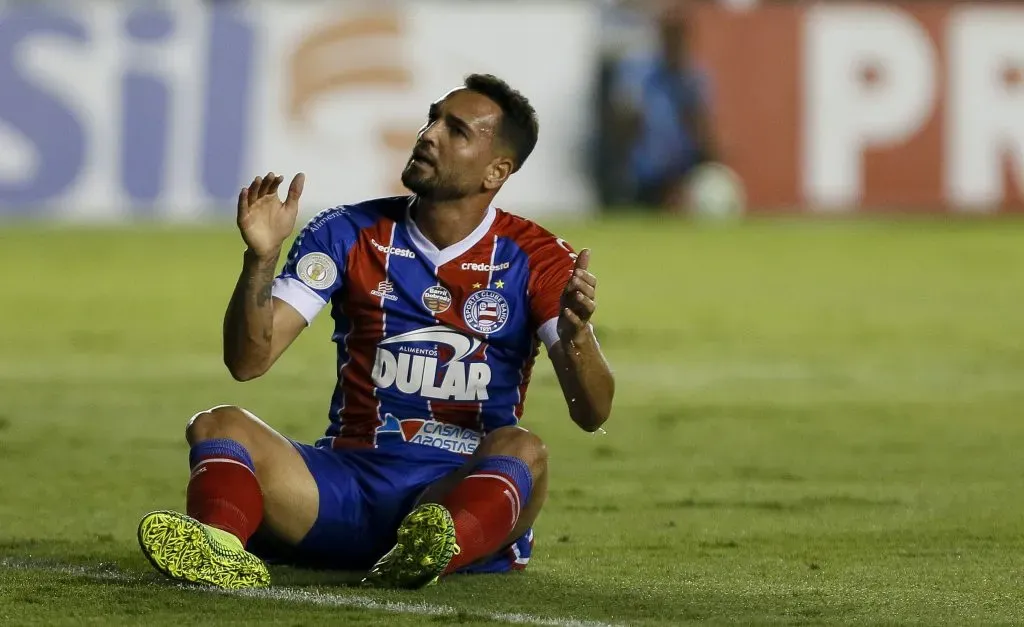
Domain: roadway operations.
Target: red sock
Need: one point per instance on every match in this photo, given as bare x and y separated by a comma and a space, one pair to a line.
486, 506
224, 493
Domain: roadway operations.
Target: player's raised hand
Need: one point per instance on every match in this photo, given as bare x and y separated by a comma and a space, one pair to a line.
265, 221
579, 300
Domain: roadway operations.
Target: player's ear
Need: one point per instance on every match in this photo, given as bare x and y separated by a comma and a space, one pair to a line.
498, 172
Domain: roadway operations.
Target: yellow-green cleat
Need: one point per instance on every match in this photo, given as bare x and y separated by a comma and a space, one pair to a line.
185, 549
425, 547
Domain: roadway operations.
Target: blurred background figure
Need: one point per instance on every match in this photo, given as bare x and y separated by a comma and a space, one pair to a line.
653, 125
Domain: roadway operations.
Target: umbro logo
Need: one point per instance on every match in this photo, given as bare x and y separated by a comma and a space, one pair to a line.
384, 289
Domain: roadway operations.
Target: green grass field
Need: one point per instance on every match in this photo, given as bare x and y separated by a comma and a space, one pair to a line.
815, 423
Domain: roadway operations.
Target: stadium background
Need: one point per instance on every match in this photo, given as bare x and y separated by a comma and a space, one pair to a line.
819, 349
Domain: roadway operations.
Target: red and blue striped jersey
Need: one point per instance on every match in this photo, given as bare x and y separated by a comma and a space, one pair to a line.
434, 346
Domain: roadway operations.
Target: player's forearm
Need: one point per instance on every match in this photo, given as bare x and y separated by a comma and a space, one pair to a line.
249, 320
588, 383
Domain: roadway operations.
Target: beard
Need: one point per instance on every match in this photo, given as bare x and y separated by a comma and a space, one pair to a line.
429, 182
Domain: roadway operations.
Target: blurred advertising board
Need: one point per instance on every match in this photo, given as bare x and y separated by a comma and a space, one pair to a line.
834, 107
112, 110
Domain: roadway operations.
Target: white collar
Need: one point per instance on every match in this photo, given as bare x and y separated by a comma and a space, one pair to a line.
440, 257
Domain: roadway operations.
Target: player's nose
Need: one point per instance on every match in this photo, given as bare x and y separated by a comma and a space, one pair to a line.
429, 134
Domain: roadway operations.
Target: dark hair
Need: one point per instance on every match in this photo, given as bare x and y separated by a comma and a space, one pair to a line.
519, 125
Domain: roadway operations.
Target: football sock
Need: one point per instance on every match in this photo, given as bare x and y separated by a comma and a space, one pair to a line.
486, 505
223, 491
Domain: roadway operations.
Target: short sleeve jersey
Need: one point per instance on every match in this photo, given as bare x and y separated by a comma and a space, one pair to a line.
434, 346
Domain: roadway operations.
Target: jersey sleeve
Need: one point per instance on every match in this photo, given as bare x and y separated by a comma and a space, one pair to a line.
550, 271
315, 266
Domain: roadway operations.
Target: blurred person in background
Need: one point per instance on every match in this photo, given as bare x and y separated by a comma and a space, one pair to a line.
653, 121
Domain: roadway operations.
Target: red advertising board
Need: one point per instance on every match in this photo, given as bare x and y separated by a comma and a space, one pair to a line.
833, 107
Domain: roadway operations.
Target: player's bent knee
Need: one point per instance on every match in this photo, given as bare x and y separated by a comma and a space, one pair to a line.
224, 421
525, 445
534, 452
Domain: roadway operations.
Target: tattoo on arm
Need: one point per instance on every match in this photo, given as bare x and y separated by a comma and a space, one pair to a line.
263, 296
249, 319
265, 278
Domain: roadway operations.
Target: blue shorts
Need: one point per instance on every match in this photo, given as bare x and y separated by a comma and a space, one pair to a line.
364, 495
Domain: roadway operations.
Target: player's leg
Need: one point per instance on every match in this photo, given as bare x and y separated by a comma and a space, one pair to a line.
510, 462
508, 442
472, 513
244, 474
289, 492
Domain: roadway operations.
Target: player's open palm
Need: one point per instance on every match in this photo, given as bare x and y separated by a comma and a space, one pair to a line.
579, 300
265, 221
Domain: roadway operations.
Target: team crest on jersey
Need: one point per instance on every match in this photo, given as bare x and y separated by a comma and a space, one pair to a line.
437, 299
317, 270
485, 311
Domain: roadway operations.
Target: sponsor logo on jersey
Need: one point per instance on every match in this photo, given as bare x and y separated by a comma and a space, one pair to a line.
429, 433
324, 217
384, 289
391, 250
485, 267
485, 311
316, 270
437, 299
413, 363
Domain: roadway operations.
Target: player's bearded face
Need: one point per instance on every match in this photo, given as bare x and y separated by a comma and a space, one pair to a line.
434, 179
453, 149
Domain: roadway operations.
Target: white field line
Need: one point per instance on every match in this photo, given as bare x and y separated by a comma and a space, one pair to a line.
302, 596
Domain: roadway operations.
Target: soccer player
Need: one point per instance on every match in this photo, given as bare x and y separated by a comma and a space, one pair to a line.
440, 303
